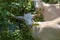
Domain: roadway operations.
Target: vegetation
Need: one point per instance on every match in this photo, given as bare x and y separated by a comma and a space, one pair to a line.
10, 27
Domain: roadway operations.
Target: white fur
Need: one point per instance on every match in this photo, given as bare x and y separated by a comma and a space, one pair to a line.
50, 11
49, 30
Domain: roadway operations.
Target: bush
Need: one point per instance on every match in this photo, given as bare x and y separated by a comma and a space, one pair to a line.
11, 28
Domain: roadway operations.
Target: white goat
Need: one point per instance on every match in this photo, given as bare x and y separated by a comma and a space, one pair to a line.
49, 30
50, 11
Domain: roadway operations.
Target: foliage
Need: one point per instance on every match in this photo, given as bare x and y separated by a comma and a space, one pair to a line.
50, 1
11, 28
